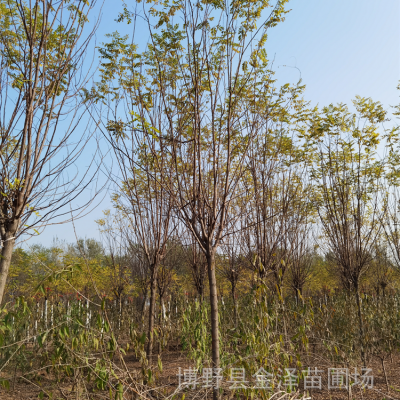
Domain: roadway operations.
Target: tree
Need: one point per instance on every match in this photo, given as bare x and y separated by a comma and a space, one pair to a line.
277, 213
21, 274
144, 205
382, 268
197, 265
42, 49
347, 178
89, 248
301, 258
195, 91
112, 228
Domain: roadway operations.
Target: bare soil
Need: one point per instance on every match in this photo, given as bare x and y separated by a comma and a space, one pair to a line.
174, 358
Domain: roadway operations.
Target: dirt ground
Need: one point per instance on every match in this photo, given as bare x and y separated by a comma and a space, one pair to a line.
174, 358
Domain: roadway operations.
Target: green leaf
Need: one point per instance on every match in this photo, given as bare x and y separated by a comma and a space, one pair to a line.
119, 395
5, 383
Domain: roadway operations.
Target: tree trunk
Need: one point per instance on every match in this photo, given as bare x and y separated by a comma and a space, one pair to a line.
153, 294
5, 260
161, 323
234, 304
143, 308
361, 326
214, 316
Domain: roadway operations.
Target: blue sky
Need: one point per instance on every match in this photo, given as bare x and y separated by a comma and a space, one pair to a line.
342, 48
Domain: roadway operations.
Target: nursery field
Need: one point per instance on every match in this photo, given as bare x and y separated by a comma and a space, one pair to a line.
274, 348
244, 238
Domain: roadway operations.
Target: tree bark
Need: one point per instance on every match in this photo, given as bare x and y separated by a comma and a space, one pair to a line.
361, 326
161, 323
143, 308
153, 294
214, 315
5, 260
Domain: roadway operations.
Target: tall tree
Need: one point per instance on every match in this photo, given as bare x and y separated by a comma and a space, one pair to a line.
197, 89
347, 178
42, 50
144, 204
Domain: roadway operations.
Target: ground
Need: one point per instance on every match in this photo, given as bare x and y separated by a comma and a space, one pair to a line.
174, 358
